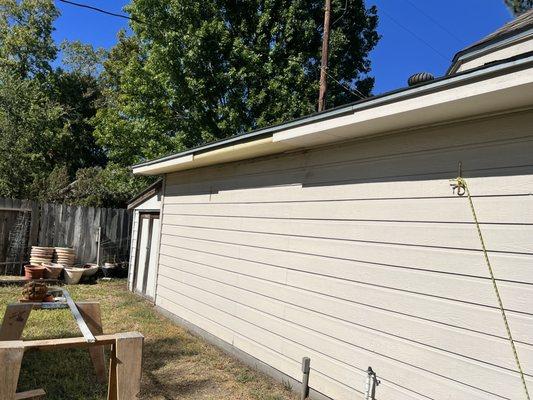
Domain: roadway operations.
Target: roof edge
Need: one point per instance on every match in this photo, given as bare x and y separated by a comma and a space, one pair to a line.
443, 83
140, 197
496, 43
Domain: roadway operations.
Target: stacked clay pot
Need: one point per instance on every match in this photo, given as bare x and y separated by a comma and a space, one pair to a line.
64, 256
40, 255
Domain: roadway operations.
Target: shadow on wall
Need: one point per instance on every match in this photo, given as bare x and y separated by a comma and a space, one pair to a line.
486, 148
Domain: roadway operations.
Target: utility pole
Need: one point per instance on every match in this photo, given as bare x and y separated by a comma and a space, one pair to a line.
324, 62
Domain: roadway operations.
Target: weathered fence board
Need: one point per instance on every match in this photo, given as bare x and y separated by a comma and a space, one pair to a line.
25, 223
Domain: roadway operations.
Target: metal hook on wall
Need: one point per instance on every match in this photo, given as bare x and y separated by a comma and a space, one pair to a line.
372, 383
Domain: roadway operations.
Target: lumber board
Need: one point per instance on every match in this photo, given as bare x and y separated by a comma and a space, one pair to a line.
11, 353
35, 394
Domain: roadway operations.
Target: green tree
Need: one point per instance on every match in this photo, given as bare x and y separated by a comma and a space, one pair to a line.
197, 71
77, 89
30, 135
111, 186
517, 7
82, 58
26, 43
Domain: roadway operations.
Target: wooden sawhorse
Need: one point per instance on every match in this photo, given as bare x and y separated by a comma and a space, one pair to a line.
124, 369
17, 314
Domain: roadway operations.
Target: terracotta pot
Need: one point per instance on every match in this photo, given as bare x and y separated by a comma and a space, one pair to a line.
73, 275
48, 298
52, 271
32, 272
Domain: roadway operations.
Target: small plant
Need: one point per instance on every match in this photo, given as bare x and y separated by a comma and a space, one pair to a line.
287, 385
245, 377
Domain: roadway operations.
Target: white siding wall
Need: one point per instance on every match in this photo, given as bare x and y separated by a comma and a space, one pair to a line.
359, 255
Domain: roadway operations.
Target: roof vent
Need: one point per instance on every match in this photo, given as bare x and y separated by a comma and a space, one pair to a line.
421, 77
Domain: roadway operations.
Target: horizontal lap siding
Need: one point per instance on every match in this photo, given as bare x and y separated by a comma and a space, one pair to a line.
359, 255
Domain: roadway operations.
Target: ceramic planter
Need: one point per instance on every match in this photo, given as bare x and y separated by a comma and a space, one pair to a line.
89, 270
52, 271
73, 275
32, 272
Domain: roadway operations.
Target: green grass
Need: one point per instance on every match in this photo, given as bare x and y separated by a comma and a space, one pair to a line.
176, 364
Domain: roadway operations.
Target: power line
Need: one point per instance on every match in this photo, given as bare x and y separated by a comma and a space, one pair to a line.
414, 34
102, 11
453, 35
353, 91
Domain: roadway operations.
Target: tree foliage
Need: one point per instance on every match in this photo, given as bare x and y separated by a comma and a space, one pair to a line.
47, 148
198, 71
517, 7
26, 43
30, 134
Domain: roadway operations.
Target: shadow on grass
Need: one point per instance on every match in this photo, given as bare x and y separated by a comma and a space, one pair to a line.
69, 375
164, 375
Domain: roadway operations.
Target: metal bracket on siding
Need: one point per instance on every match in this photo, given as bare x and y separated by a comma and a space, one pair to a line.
372, 383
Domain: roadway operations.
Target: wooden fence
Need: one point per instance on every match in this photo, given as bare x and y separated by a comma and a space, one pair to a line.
25, 223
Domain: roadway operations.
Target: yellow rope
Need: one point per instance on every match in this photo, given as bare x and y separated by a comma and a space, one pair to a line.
461, 184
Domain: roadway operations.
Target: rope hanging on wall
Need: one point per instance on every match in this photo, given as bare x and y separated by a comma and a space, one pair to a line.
462, 188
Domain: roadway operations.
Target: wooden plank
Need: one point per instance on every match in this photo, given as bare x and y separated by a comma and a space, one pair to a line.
78, 225
97, 224
70, 226
33, 239
67, 343
104, 238
87, 252
15, 318
11, 353
129, 352
36, 394
112, 390
91, 314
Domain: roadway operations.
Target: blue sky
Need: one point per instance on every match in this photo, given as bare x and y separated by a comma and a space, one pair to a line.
413, 38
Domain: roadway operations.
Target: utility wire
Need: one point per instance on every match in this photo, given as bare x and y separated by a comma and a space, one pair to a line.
414, 34
428, 16
353, 91
100, 10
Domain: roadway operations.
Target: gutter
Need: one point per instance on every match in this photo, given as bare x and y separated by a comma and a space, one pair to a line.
266, 135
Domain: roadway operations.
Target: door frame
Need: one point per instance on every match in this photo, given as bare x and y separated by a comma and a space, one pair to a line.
151, 216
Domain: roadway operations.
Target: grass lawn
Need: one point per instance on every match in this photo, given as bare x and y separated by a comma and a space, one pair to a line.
176, 365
